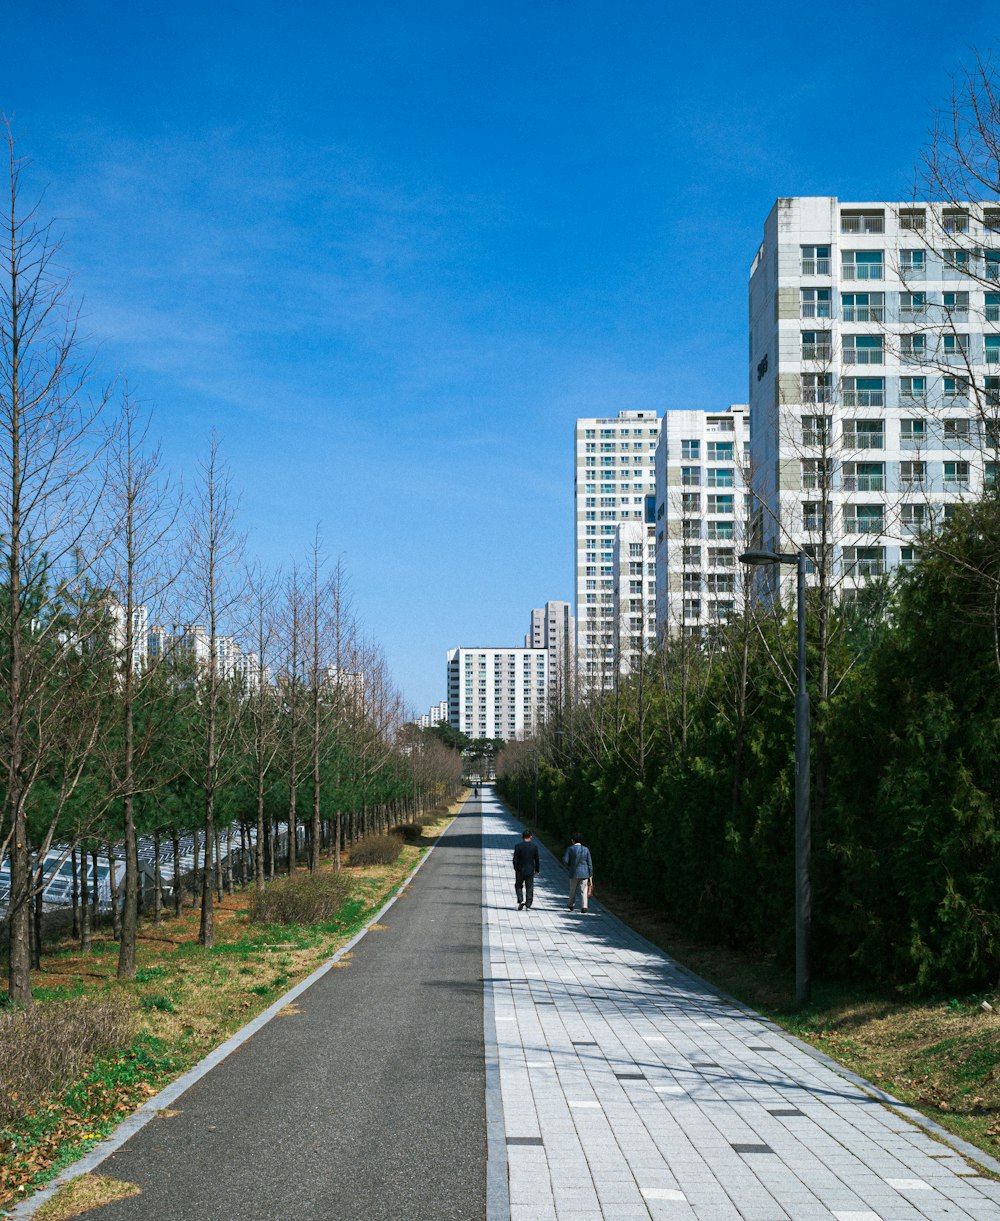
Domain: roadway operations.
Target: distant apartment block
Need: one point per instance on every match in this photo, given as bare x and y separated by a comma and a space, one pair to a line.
497, 692
874, 376
553, 628
192, 643
614, 484
702, 506
434, 715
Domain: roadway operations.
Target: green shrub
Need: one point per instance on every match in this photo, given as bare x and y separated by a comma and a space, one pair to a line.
376, 850
45, 1047
311, 898
160, 1002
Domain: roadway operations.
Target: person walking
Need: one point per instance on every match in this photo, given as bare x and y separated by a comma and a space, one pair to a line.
526, 864
581, 872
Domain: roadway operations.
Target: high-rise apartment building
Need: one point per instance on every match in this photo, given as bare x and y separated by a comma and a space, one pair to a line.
874, 376
434, 715
497, 693
553, 628
614, 484
702, 477
634, 605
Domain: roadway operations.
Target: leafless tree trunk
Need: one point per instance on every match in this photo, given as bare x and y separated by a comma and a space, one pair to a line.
50, 497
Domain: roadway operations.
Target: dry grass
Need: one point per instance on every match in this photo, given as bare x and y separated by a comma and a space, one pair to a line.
304, 899
375, 850
43, 1048
82, 1194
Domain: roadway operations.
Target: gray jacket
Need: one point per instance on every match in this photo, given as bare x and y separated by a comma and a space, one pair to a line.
578, 859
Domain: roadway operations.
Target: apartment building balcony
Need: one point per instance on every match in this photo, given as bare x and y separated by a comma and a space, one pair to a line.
864, 356
864, 313
816, 267
863, 438
817, 351
862, 271
864, 398
866, 569
864, 483
871, 222
864, 523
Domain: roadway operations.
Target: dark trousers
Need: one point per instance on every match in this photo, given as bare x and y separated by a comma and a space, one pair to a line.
525, 889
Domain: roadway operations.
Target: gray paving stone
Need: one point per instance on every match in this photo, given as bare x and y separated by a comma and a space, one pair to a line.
575, 981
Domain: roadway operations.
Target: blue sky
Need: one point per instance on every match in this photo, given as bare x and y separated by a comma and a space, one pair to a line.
391, 251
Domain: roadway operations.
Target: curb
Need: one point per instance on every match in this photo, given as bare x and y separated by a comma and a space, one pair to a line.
170, 1093
497, 1181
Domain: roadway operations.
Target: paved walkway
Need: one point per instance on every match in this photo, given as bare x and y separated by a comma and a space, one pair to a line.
632, 1089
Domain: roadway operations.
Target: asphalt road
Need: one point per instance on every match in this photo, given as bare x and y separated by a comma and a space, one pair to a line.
368, 1104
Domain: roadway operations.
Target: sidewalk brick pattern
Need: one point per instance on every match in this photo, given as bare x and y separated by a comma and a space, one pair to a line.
631, 1089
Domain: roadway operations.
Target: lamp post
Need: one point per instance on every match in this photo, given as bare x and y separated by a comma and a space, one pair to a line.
803, 830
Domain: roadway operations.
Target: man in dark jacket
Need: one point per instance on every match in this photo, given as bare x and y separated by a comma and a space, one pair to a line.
526, 865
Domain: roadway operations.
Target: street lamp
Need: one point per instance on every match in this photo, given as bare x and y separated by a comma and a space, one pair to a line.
803, 831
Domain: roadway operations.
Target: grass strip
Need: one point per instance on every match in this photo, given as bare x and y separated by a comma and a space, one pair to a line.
188, 1000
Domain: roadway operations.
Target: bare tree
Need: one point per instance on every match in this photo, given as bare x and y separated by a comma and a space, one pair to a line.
216, 553
264, 708
52, 452
143, 513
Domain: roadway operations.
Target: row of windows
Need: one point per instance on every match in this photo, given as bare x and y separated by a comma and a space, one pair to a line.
871, 306
874, 518
915, 345
871, 476
951, 220
866, 265
913, 431
715, 451
870, 391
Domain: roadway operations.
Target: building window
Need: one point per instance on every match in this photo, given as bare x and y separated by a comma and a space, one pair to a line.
992, 346
912, 219
815, 302
955, 220
862, 222
721, 530
691, 450
864, 434
864, 391
815, 260
691, 476
863, 307
864, 476
815, 473
912, 433
956, 474
816, 345
956, 305
720, 504
816, 387
721, 477
912, 305
864, 349
913, 388
816, 429
912, 473
912, 263
864, 519
956, 387
814, 516
913, 347
864, 561
690, 502
954, 347
862, 265
913, 518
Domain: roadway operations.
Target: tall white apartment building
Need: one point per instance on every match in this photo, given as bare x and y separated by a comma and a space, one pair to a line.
553, 628
614, 484
874, 375
634, 594
497, 693
702, 482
